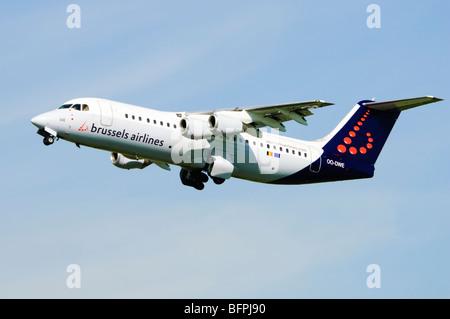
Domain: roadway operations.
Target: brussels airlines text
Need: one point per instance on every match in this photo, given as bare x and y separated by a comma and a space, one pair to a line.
147, 139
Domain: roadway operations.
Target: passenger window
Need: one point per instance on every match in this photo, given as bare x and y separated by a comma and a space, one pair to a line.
132, 116
148, 120
161, 123
293, 152
268, 146
154, 121
174, 126
299, 153
140, 118
126, 116
85, 107
76, 107
168, 124
287, 150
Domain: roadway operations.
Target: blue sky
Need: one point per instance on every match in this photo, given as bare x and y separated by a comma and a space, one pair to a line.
142, 234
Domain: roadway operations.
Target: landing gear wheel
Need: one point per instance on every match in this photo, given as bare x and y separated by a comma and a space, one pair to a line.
199, 186
193, 179
199, 176
183, 177
218, 180
48, 140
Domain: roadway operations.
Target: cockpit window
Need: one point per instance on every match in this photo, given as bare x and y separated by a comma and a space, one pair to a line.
65, 106
76, 107
85, 107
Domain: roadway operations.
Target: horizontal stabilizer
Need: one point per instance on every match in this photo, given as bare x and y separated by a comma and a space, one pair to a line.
401, 105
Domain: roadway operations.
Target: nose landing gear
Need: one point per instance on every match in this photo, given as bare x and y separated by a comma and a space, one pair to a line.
48, 140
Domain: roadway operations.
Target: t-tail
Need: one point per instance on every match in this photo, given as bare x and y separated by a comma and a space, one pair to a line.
352, 148
358, 140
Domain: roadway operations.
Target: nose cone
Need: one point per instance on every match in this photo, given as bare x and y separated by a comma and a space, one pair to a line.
41, 120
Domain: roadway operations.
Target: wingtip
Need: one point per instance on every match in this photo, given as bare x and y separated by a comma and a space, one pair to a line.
437, 99
323, 102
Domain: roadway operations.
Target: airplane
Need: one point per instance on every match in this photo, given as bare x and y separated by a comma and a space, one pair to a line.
243, 143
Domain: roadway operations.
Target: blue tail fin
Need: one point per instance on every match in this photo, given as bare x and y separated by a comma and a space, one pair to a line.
362, 136
352, 148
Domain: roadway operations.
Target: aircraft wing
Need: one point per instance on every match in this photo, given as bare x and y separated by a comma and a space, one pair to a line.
273, 115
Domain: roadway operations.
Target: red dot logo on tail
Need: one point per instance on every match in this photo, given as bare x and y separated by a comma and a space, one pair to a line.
341, 148
347, 140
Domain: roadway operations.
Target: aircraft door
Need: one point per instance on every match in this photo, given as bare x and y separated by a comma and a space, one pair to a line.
106, 113
316, 159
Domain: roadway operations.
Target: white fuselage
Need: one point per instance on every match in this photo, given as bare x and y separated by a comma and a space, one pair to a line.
144, 133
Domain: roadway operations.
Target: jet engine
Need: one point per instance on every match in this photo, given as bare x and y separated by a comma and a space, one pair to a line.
121, 161
222, 124
196, 128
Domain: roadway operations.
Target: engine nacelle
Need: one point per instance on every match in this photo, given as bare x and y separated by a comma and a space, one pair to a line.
121, 161
222, 124
220, 168
195, 128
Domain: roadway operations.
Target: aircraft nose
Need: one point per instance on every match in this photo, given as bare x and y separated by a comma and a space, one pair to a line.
41, 120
